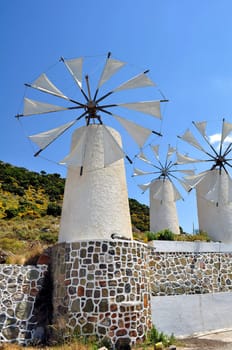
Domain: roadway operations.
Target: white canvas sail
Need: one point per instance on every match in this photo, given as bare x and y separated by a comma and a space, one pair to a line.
35, 107
188, 137
138, 172
226, 130
171, 151
110, 68
176, 194
187, 171
142, 156
112, 150
219, 187
75, 68
45, 85
76, 157
137, 132
183, 159
147, 107
44, 139
194, 180
184, 184
144, 187
201, 127
155, 149
160, 191
141, 80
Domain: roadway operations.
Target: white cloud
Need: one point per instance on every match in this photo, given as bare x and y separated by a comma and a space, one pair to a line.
216, 138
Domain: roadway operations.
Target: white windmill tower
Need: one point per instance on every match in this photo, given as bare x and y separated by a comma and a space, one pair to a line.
95, 200
163, 190
213, 186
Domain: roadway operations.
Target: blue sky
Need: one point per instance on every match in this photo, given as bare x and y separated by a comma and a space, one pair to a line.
186, 44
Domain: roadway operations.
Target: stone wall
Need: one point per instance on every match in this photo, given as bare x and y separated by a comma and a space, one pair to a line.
102, 288
192, 271
20, 287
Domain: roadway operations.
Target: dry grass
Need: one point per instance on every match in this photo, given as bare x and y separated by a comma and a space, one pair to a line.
73, 346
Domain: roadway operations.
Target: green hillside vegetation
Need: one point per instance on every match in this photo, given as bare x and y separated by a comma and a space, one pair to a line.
30, 209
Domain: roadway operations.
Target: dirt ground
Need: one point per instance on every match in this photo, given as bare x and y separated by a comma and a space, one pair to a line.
214, 341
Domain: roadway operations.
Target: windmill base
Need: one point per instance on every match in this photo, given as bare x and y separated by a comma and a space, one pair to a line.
102, 288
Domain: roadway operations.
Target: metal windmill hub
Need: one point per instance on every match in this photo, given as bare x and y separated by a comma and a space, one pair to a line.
91, 108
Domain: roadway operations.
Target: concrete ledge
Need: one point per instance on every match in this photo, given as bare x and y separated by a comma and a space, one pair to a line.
190, 247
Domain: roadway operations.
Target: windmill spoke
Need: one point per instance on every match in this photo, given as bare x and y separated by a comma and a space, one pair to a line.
103, 97
227, 150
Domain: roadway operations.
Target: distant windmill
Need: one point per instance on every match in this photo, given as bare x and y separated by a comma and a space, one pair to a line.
95, 200
213, 186
163, 190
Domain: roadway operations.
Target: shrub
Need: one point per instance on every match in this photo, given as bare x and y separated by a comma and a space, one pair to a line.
151, 236
48, 237
54, 209
165, 235
11, 213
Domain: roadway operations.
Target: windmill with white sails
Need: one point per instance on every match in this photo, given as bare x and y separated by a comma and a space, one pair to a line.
214, 185
163, 188
95, 200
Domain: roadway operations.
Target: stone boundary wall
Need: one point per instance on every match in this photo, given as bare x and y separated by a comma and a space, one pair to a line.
190, 271
19, 288
102, 288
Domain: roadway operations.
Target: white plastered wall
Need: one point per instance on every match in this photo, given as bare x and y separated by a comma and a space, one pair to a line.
214, 219
95, 204
163, 213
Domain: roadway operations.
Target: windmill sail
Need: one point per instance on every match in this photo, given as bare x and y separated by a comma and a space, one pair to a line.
160, 192
111, 67
75, 68
141, 80
138, 172
155, 150
188, 137
144, 187
82, 153
142, 156
77, 155
137, 132
171, 151
194, 180
112, 150
201, 127
147, 107
226, 130
183, 159
44, 139
45, 85
35, 107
